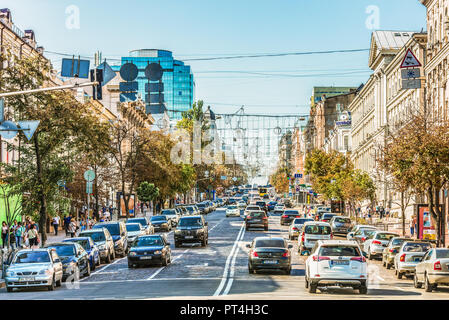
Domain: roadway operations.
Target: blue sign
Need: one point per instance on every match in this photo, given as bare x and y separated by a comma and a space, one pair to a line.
298, 175
74, 68
132, 86
108, 73
128, 96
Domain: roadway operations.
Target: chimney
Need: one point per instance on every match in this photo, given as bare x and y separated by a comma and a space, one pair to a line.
40, 50
30, 38
6, 17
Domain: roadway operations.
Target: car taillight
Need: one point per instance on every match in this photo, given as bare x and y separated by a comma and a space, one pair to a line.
376, 242
294, 228
284, 216
264, 218
363, 239
402, 258
332, 236
392, 250
437, 265
302, 237
286, 254
298, 216
318, 258
360, 259
255, 254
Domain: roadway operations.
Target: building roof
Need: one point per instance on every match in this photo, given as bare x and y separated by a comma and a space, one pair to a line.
391, 39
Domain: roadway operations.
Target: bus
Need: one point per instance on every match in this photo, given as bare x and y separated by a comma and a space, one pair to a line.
263, 191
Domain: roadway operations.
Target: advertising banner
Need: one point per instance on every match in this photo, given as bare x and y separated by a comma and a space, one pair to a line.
426, 223
131, 206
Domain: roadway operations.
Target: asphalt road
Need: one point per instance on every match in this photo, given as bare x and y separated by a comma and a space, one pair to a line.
220, 271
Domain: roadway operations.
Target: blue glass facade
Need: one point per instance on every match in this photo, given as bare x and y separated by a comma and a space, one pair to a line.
179, 85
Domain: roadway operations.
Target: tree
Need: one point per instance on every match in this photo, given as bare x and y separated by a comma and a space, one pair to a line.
417, 157
147, 192
357, 186
280, 180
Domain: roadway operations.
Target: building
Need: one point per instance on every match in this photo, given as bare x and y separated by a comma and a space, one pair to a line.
339, 137
179, 84
319, 92
381, 106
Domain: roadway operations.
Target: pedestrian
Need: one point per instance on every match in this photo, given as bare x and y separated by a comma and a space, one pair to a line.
4, 234
72, 228
56, 221
413, 226
32, 236
19, 233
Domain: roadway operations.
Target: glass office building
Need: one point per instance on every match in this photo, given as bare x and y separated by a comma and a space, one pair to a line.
179, 85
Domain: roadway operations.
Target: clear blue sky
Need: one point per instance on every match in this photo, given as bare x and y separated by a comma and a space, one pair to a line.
205, 28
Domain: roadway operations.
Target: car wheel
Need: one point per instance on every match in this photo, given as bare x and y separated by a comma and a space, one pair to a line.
9, 289
165, 262
399, 275
59, 283
177, 244
363, 289
108, 258
204, 243
427, 286
388, 265
312, 288
130, 265
306, 282
87, 273
93, 266
416, 283
51, 287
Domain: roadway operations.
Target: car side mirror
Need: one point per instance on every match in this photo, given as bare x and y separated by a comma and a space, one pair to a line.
248, 246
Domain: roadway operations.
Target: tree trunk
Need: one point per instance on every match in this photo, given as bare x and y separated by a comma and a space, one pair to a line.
403, 213
40, 192
96, 213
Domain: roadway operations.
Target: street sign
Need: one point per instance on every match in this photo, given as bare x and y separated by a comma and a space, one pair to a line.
129, 71
223, 177
411, 84
298, 175
89, 175
234, 179
28, 128
75, 68
8, 130
410, 60
108, 73
410, 73
89, 187
154, 71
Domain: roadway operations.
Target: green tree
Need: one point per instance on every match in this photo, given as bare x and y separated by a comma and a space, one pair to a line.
147, 192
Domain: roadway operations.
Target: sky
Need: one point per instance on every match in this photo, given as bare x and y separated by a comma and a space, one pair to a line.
211, 28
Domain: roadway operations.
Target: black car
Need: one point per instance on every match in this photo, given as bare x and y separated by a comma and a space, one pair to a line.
191, 229
149, 249
269, 253
289, 216
118, 233
75, 260
144, 222
160, 223
262, 205
256, 219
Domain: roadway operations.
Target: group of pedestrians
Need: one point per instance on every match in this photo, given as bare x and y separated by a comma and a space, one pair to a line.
20, 234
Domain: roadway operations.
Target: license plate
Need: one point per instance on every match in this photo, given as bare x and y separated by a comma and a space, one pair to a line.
146, 258
416, 259
256, 220
270, 261
188, 237
26, 279
340, 262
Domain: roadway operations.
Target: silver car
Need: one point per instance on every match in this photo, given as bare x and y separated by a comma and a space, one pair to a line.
410, 254
340, 225
296, 226
134, 230
376, 243
34, 268
433, 270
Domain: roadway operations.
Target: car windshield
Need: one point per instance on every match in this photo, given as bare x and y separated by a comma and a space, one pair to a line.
442, 254
339, 251
32, 257
158, 218
172, 211
257, 214
190, 209
342, 220
316, 229
328, 216
291, 212
301, 220
269, 243
64, 251
95, 236
190, 222
397, 242
112, 228
132, 227
416, 247
385, 236
141, 221
232, 207
148, 242
260, 203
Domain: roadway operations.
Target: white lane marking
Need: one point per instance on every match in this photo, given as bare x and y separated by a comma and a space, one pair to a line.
231, 275
99, 271
216, 224
380, 278
228, 260
162, 268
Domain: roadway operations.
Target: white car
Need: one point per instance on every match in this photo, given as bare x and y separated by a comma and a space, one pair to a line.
250, 208
241, 204
232, 211
296, 226
336, 263
311, 233
375, 244
134, 230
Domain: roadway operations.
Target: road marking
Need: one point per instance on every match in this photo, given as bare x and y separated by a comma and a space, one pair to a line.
216, 224
231, 275
99, 271
228, 260
162, 268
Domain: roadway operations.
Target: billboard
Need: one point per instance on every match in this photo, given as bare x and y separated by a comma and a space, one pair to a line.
131, 206
426, 223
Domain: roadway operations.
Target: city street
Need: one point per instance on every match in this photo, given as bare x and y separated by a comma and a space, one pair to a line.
220, 271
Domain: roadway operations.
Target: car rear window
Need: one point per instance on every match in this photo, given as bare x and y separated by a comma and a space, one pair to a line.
301, 220
316, 229
342, 220
291, 213
385, 236
270, 243
397, 242
442, 254
257, 214
416, 247
252, 208
328, 216
339, 251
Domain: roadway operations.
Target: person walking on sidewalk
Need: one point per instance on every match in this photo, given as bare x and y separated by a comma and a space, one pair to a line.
72, 228
412, 226
32, 235
56, 221
5, 234
19, 233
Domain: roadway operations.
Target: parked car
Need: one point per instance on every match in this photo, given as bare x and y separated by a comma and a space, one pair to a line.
340, 225
288, 216
34, 268
75, 260
160, 223
376, 243
171, 215
337, 262
362, 234
391, 250
409, 255
311, 233
204, 208
269, 253
149, 249
192, 229
144, 222
103, 240
232, 211
296, 227
433, 270
256, 219
192, 210
89, 246
119, 234
134, 230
